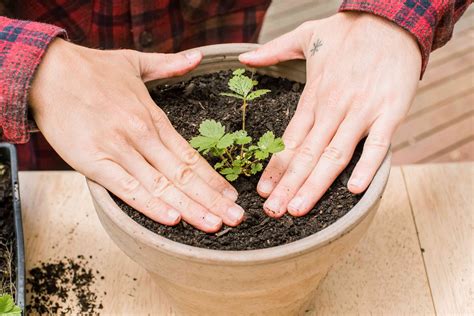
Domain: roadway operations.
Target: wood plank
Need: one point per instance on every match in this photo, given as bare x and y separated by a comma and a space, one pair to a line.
442, 201
457, 46
384, 274
59, 220
436, 142
420, 127
464, 152
445, 92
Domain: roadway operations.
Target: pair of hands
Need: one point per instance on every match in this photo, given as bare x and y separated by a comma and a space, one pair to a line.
94, 109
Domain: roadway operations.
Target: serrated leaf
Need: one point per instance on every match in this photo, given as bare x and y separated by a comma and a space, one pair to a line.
212, 129
257, 93
276, 146
253, 147
202, 143
241, 85
227, 171
266, 140
8, 307
261, 154
241, 138
232, 177
233, 95
237, 163
226, 141
219, 164
255, 168
238, 72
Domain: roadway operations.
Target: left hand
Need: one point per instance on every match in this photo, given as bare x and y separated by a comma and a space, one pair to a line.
362, 72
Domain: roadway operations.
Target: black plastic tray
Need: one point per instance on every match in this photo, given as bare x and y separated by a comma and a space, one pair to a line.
8, 156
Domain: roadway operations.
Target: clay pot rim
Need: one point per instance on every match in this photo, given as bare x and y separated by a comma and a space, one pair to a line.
243, 257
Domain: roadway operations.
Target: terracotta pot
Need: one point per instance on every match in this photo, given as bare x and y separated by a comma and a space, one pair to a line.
273, 281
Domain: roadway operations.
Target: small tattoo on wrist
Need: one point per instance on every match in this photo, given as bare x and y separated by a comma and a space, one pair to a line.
316, 47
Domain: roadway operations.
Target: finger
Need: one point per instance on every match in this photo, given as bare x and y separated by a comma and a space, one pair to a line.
303, 162
128, 189
296, 131
160, 187
375, 149
147, 142
332, 162
157, 66
286, 47
181, 148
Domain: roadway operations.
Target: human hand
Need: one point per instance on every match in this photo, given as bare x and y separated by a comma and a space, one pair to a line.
95, 111
362, 72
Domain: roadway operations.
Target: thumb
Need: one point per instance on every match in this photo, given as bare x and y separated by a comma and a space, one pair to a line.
158, 66
286, 47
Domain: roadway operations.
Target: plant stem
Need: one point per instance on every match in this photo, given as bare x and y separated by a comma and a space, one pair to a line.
244, 107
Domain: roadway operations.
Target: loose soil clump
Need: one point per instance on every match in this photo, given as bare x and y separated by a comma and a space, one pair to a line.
54, 285
187, 104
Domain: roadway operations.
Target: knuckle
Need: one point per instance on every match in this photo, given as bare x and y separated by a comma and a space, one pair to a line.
191, 156
159, 186
377, 141
129, 185
158, 118
138, 126
335, 155
184, 175
306, 153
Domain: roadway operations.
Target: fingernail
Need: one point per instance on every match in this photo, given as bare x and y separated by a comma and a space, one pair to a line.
212, 220
265, 186
192, 55
248, 55
273, 205
296, 204
173, 215
355, 182
235, 213
230, 194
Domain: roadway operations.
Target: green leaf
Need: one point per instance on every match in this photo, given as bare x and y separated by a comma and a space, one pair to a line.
233, 95
227, 171
256, 167
253, 147
254, 82
237, 163
238, 72
232, 177
203, 143
8, 307
212, 129
241, 85
276, 146
220, 164
261, 154
257, 94
266, 140
241, 138
226, 141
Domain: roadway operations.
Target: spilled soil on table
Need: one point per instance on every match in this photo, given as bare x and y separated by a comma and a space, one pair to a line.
187, 104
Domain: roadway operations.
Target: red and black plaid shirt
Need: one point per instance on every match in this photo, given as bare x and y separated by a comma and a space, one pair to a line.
164, 26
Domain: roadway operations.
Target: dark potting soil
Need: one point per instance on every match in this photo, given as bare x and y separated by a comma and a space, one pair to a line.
54, 285
187, 104
7, 234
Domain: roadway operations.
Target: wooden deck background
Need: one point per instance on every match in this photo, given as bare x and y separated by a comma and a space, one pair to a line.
439, 127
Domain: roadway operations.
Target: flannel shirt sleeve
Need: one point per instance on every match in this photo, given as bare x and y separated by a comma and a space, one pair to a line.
431, 22
22, 46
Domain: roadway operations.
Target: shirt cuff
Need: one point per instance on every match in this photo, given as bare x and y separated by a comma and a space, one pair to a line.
416, 17
22, 47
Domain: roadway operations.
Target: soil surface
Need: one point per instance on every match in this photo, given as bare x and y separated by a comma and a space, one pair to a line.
7, 234
187, 105
54, 285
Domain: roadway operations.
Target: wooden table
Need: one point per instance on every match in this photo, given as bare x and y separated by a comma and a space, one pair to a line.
417, 257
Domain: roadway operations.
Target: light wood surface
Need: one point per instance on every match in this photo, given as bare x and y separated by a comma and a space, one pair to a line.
444, 102
387, 273
442, 198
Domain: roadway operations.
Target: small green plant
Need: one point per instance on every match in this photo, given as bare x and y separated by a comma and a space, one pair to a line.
234, 150
8, 307
242, 87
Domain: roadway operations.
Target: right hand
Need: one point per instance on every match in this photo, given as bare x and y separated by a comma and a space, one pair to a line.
95, 111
